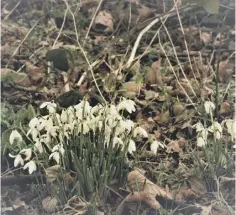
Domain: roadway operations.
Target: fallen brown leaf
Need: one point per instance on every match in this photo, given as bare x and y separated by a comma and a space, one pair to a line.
145, 13
175, 145
35, 74
154, 73
50, 204
205, 37
143, 190
178, 108
226, 71
103, 22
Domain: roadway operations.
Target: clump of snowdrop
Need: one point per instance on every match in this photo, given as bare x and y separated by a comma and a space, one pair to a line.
55, 131
215, 129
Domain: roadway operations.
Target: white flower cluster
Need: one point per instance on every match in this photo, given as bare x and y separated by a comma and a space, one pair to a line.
216, 128
54, 129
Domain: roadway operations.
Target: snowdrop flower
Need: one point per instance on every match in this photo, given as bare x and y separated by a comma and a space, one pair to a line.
203, 134
18, 159
201, 142
140, 131
71, 114
131, 147
128, 105
155, 145
209, 107
51, 106
112, 111
34, 133
45, 138
68, 129
31, 166
85, 126
117, 140
59, 148
15, 136
38, 145
34, 122
53, 131
201, 130
27, 153
199, 126
55, 156
216, 129
64, 116
84, 106
231, 127
127, 125
96, 109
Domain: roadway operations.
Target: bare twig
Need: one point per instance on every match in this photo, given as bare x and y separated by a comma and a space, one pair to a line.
177, 79
26, 36
91, 23
6, 17
83, 52
62, 26
156, 20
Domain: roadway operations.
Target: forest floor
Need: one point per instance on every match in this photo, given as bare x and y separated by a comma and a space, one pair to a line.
170, 59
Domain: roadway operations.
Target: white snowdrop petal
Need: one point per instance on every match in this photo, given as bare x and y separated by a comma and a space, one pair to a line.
18, 160
127, 105
31, 166
11, 156
209, 107
15, 136
131, 147
201, 142
38, 146
55, 156
117, 140
64, 117
27, 153
34, 122
140, 131
45, 104
154, 146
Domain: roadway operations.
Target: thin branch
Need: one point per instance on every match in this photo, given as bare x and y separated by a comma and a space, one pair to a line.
26, 36
83, 52
91, 23
156, 20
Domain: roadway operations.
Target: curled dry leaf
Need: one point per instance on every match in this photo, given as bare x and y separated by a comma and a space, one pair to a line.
52, 172
205, 37
50, 204
154, 73
200, 70
145, 13
130, 89
163, 117
184, 194
226, 71
175, 146
224, 108
35, 74
10, 76
143, 190
135, 69
103, 22
178, 108
76, 205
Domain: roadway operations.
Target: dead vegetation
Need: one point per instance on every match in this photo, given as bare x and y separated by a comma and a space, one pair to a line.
168, 56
